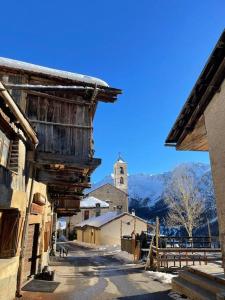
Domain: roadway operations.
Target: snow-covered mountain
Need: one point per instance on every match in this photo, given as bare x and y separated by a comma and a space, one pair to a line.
153, 186
147, 191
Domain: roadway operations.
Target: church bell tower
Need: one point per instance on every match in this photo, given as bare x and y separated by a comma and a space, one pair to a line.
120, 175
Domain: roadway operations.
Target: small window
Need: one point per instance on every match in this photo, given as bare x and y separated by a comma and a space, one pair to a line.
98, 210
4, 149
121, 170
86, 214
121, 180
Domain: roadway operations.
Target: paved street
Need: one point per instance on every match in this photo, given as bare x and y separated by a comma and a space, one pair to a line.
99, 274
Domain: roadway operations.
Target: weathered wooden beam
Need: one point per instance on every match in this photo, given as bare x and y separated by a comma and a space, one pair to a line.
61, 124
67, 160
57, 98
61, 88
66, 183
18, 114
45, 175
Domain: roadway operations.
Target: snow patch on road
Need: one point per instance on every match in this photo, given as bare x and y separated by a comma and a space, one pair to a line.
176, 296
161, 277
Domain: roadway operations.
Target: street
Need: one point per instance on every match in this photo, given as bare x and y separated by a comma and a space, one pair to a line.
99, 274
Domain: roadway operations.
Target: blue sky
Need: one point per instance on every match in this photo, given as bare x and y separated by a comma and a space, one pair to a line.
153, 50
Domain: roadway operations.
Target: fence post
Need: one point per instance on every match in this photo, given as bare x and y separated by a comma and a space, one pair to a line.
157, 242
209, 232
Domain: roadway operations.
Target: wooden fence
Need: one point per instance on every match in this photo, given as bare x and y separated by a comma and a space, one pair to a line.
177, 252
131, 246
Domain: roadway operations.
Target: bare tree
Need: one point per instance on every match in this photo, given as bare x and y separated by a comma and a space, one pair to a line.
185, 203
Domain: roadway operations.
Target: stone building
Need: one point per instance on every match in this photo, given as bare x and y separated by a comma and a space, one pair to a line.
89, 207
120, 175
116, 195
108, 228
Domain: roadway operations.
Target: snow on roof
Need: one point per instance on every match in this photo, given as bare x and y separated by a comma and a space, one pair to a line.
121, 161
90, 202
100, 220
15, 64
105, 218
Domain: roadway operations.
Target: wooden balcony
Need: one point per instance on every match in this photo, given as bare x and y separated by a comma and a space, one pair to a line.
67, 207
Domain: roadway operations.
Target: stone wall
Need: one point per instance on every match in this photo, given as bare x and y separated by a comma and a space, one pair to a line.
112, 195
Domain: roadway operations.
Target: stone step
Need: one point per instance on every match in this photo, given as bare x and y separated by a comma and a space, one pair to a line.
210, 275
202, 281
190, 290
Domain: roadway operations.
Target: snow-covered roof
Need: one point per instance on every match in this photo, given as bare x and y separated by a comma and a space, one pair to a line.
104, 219
15, 64
100, 220
90, 202
121, 161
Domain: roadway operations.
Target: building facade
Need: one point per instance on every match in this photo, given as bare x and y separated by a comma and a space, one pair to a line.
46, 159
107, 229
200, 125
120, 175
115, 195
116, 198
89, 207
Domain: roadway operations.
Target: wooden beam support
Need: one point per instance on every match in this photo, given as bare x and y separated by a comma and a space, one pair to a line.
57, 98
45, 158
69, 184
61, 124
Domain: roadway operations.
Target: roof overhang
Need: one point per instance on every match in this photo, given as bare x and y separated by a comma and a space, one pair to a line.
206, 86
19, 116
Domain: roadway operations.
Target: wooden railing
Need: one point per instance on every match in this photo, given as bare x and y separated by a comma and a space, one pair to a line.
177, 252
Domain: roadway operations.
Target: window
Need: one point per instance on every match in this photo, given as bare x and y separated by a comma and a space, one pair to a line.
121, 180
121, 170
4, 149
9, 231
86, 214
98, 210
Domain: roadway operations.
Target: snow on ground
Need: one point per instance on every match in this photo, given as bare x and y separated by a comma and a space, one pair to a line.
176, 296
161, 277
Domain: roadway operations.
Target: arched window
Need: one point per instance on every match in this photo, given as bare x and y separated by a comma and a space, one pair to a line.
121, 180
121, 170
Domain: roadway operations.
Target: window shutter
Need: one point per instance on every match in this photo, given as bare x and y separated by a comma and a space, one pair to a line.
9, 230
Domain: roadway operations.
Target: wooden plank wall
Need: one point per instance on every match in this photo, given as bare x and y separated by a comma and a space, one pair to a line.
57, 139
60, 139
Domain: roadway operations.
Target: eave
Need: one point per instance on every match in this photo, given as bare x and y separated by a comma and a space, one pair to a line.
20, 118
203, 91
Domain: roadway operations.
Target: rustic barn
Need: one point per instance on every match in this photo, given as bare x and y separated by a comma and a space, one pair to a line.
61, 107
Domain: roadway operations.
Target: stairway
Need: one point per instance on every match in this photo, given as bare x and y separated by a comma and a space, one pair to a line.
198, 285
14, 156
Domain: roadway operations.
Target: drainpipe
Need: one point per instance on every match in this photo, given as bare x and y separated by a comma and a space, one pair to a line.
32, 173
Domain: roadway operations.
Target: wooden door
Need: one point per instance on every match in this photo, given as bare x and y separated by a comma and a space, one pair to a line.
30, 255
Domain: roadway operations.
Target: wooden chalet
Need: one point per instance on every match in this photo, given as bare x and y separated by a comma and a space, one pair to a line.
60, 106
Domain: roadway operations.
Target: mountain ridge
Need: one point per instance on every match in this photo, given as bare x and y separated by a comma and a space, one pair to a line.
147, 192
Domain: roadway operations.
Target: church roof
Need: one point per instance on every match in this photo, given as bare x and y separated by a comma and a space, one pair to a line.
120, 159
100, 187
90, 202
